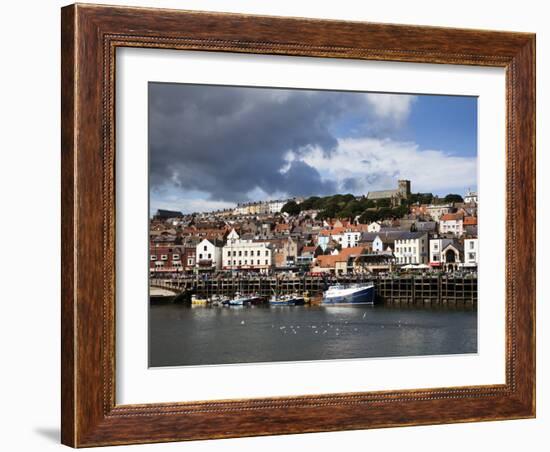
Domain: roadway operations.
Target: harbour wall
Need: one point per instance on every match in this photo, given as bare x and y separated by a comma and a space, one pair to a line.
408, 289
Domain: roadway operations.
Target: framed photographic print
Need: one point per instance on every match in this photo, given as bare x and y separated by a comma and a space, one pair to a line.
279, 225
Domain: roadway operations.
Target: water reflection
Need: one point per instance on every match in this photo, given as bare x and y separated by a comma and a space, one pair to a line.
181, 335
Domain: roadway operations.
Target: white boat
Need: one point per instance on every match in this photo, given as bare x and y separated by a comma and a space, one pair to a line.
218, 300
240, 300
349, 294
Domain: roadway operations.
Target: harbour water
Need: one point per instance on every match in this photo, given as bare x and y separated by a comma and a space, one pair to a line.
182, 335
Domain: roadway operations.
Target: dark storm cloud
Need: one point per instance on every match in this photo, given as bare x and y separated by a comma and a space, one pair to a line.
228, 141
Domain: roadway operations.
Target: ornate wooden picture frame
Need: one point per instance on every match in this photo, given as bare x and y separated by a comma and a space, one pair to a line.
90, 37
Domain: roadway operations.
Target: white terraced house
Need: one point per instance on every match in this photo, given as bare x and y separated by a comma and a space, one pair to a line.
240, 254
411, 248
452, 223
208, 255
350, 239
471, 253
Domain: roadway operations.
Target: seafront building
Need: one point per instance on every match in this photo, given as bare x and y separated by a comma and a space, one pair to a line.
471, 252
246, 255
412, 248
208, 255
436, 250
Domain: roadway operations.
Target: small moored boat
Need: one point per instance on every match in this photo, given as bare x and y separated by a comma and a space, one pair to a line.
197, 301
240, 300
286, 300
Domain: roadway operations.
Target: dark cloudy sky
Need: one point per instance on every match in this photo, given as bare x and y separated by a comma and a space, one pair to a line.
213, 146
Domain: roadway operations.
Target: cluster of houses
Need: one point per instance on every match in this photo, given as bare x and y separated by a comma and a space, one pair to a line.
258, 238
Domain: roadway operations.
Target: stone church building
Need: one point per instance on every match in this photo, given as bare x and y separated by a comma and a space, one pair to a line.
396, 196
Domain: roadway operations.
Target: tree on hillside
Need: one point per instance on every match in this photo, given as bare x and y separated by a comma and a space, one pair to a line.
420, 198
399, 212
385, 213
291, 207
330, 211
452, 197
369, 216
313, 202
385, 202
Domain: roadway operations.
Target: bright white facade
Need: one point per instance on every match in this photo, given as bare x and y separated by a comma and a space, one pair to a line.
208, 255
240, 254
452, 223
471, 197
374, 227
259, 208
276, 206
411, 248
471, 252
350, 239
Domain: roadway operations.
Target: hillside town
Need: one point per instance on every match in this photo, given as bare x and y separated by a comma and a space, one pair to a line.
380, 232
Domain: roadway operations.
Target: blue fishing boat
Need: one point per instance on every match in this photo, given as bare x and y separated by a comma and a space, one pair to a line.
349, 294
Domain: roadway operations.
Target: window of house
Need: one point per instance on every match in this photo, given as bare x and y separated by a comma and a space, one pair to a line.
153, 257
240, 253
240, 262
209, 256
200, 256
164, 257
472, 256
246, 262
205, 248
471, 245
229, 254
266, 253
190, 261
266, 262
175, 257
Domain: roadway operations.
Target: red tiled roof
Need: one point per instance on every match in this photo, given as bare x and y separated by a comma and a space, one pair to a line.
338, 230
329, 261
282, 227
451, 217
